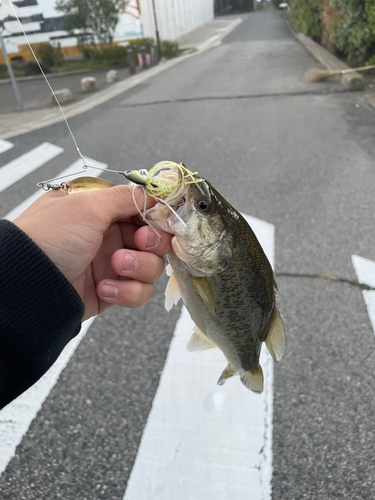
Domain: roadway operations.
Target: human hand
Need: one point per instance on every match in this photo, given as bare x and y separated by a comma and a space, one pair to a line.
96, 241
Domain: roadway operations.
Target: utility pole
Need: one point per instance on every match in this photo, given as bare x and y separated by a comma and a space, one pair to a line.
10, 71
156, 28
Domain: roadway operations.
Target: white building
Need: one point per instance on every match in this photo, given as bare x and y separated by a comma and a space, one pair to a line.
43, 23
175, 17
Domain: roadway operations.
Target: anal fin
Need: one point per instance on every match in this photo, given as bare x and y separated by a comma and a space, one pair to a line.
227, 373
275, 340
199, 341
253, 380
172, 291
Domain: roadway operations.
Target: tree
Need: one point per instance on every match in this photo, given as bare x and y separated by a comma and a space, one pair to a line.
96, 20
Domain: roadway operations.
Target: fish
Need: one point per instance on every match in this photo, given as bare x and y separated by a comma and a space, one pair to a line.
219, 269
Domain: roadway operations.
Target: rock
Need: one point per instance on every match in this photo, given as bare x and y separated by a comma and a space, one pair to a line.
89, 84
112, 76
62, 95
352, 81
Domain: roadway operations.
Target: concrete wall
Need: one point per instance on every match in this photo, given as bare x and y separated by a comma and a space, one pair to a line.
175, 17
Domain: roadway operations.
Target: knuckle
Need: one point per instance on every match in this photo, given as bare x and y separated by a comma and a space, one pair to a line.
139, 293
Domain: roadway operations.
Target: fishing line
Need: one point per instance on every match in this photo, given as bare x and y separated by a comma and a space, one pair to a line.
144, 207
163, 188
50, 87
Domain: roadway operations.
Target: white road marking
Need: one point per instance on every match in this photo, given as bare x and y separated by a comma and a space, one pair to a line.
201, 441
15, 418
365, 270
5, 145
74, 167
27, 163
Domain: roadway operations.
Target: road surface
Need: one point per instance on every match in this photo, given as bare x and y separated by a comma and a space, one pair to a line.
299, 156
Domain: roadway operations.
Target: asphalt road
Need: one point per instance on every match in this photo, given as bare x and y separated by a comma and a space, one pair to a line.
298, 155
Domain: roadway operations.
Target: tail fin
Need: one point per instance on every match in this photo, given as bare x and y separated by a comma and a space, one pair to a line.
253, 380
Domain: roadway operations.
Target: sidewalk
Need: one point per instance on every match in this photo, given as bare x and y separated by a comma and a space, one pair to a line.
14, 122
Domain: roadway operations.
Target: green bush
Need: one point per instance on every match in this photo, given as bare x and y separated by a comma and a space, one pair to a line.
49, 55
169, 49
46, 53
354, 35
116, 55
305, 15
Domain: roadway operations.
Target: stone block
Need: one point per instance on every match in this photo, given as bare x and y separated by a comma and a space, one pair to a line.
89, 84
62, 95
112, 76
352, 81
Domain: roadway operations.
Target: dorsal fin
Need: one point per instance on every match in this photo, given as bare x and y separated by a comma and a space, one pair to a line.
253, 380
199, 341
275, 340
172, 291
205, 292
227, 373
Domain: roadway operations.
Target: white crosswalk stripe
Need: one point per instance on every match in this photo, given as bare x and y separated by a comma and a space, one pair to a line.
27, 163
5, 145
72, 169
201, 440
16, 418
213, 416
365, 270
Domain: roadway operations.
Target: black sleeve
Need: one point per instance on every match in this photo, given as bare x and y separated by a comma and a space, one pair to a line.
40, 312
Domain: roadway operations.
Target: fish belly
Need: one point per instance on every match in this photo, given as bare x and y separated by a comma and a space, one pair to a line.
229, 329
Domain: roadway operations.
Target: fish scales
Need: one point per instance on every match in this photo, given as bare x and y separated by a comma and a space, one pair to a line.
244, 297
224, 277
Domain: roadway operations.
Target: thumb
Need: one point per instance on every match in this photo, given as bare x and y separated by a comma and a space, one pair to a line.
111, 204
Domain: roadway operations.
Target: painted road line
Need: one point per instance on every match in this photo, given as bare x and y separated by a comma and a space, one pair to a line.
5, 145
74, 167
201, 441
15, 418
365, 270
27, 163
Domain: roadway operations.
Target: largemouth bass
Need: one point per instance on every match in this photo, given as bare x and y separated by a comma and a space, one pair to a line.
221, 272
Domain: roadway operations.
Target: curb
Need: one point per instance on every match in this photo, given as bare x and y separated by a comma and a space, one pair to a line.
42, 118
51, 75
350, 81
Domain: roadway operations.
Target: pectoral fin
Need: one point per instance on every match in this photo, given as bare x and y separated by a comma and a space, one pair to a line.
275, 340
199, 341
227, 373
205, 292
253, 380
172, 292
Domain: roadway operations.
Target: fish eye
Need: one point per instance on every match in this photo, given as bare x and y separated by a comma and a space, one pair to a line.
202, 205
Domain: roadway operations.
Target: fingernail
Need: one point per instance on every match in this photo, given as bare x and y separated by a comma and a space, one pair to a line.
130, 262
109, 291
153, 240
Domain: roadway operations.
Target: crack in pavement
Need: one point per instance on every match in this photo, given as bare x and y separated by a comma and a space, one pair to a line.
326, 277
235, 97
